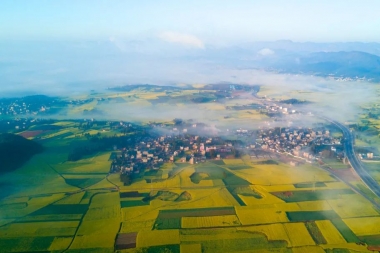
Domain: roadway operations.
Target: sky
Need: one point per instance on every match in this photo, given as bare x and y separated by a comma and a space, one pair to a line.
192, 23
61, 45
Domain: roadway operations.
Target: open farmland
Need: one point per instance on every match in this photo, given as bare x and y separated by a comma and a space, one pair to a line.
298, 220
227, 205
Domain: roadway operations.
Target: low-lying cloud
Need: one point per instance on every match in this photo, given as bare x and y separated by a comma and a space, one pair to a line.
265, 52
182, 38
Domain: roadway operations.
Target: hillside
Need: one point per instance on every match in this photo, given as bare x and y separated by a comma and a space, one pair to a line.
349, 64
15, 150
339, 64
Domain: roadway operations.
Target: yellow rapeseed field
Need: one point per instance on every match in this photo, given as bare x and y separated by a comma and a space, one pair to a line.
185, 180
102, 240
90, 227
252, 216
51, 228
364, 226
147, 238
255, 176
272, 231
79, 109
336, 185
279, 187
210, 221
282, 174
60, 243
135, 226
191, 248
352, 205
308, 249
317, 205
298, 234
98, 163
32, 205
227, 233
287, 207
352, 247
138, 213
72, 199
207, 197
151, 95
233, 162
104, 183
329, 232
105, 199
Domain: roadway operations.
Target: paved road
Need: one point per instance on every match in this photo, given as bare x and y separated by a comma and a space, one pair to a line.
350, 153
354, 160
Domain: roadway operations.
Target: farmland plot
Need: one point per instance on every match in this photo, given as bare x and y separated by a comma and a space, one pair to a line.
330, 233
210, 221
298, 234
274, 232
364, 226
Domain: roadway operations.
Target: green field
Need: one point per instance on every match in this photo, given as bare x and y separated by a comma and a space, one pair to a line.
229, 205
311, 215
298, 196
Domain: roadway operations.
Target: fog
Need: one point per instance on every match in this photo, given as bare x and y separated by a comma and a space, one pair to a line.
75, 68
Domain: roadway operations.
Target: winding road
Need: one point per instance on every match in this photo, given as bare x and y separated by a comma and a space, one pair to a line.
348, 142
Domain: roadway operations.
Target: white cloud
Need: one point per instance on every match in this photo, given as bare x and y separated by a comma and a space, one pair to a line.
117, 43
182, 38
265, 52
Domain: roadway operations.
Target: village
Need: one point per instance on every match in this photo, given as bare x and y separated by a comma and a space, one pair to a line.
183, 143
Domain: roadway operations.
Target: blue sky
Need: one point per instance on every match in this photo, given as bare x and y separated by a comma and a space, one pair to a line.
192, 22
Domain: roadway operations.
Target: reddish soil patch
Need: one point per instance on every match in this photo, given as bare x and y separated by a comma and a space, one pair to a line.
29, 134
126, 241
346, 174
374, 248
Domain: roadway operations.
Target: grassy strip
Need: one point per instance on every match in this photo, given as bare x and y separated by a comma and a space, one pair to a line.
312, 215
132, 203
346, 232
299, 196
62, 209
309, 185
167, 223
212, 211
315, 233
373, 240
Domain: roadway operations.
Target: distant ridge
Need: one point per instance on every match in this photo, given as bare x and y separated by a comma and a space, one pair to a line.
353, 65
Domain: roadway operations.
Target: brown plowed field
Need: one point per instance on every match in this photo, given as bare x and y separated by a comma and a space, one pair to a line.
29, 134
126, 241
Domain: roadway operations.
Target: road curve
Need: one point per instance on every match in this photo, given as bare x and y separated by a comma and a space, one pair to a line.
356, 164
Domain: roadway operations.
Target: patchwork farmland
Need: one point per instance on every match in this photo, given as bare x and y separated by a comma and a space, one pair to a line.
242, 211
230, 205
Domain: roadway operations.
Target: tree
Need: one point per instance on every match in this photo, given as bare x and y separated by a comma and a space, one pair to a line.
126, 179
177, 121
211, 154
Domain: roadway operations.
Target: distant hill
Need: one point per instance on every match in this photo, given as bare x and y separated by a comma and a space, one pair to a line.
352, 64
153, 87
15, 150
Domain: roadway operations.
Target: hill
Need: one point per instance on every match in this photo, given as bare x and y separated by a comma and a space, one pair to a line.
352, 64
15, 150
